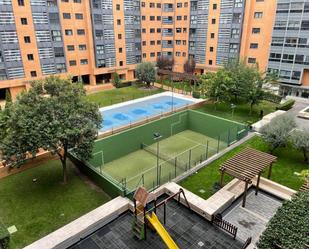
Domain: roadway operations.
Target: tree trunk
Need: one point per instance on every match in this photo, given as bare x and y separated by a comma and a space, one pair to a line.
305, 155
251, 108
63, 159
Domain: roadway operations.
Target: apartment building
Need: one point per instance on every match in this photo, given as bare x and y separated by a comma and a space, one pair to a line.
92, 39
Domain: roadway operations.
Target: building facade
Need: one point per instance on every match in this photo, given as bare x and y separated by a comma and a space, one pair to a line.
92, 39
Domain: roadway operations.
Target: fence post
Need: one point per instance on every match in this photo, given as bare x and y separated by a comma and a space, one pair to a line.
218, 144
228, 137
190, 159
207, 145
175, 167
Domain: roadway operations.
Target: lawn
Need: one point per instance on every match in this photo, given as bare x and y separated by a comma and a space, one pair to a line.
289, 161
241, 112
38, 208
109, 97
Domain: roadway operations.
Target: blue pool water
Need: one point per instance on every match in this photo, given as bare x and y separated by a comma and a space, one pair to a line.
131, 113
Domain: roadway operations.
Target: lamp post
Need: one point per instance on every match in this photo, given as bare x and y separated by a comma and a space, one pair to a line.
233, 108
156, 137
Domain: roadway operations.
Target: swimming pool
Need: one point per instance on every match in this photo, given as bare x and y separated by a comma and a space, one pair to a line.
130, 112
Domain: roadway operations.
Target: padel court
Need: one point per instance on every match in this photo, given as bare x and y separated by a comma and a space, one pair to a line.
135, 157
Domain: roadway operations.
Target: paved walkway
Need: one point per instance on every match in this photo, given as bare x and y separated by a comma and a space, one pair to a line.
298, 106
251, 220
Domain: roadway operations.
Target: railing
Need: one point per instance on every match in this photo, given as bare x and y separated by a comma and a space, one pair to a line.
225, 225
247, 243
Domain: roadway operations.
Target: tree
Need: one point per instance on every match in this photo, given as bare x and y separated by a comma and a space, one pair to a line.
8, 98
290, 225
165, 63
53, 115
255, 95
146, 72
189, 66
214, 86
300, 141
116, 79
278, 131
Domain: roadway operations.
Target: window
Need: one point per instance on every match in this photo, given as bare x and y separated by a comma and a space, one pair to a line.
27, 39
152, 54
178, 18
178, 54
82, 47
66, 16
238, 3
59, 52
144, 55
72, 63
119, 36
211, 49
151, 5
251, 60
256, 30
214, 6
77, 1
21, 3
23, 21
68, 32
33, 74
212, 35
79, 16
81, 32
118, 22
258, 15
65, 1
152, 42
179, 5
158, 30
210, 62
54, 18
213, 21
178, 30
158, 18
143, 4
235, 33
158, 42
117, 6
144, 43
120, 63
30, 57
120, 50
56, 35
254, 45
152, 18
152, 30
83, 61
159, 5
70, 48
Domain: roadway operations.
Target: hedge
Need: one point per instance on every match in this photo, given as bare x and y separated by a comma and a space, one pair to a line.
272, 97
287, 105
4, 237
289, 228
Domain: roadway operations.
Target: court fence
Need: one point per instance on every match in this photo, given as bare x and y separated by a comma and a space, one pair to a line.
222, 133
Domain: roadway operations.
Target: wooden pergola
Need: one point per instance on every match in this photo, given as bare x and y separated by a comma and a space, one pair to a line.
246, 165
305, 187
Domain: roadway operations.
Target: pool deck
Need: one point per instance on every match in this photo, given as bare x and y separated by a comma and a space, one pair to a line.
189, 231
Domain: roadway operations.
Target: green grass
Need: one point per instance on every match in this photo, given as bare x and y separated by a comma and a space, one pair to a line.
289, 161
38, 208
241, 112
109, 97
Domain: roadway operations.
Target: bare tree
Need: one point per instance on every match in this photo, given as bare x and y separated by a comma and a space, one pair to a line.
189, 66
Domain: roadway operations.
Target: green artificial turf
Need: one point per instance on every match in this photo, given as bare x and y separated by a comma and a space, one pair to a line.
38, 208
289, 161
109, 97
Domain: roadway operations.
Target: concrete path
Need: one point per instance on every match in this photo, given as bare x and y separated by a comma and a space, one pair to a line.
298, 106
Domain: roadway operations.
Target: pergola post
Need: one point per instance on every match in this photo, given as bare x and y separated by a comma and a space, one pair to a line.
258, 184
269, 171
245, 194
222, 178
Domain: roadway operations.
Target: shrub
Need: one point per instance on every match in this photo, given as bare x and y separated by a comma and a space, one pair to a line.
4, 237
287, 105
277, 132
196, 95
268, 96
289, 227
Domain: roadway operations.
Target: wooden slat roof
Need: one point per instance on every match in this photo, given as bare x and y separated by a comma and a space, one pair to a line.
305, 187
247, 164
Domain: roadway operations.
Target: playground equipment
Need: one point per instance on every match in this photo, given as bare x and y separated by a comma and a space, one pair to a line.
145, 215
